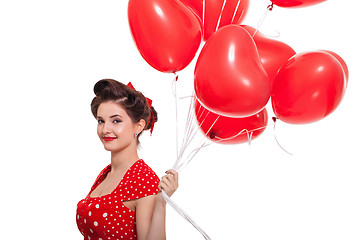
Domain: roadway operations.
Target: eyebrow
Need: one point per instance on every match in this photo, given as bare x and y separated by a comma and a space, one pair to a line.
116, 115
112, 116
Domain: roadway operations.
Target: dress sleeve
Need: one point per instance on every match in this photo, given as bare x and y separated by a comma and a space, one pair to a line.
142, 182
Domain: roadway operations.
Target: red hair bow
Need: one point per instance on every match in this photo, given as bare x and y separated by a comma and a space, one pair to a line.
149, 101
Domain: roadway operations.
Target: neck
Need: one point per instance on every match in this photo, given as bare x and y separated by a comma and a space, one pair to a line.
121, 161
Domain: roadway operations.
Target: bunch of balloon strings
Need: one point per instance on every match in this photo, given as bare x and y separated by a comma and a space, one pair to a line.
186, 153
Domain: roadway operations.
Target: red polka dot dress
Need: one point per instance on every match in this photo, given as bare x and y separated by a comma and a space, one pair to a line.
106, 217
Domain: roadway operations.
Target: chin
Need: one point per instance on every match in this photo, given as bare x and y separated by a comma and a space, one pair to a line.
108, 149
113, 149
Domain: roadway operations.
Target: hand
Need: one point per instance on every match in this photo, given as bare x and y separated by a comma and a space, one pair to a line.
169, 182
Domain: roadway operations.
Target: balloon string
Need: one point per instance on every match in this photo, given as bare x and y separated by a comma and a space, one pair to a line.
176, 114
262, 19
237, 7
185, 139
274, 119
219, 19
183, 214
189, 129
193, 153
249, 135
179, 157
203, 17
189, 135
196, 150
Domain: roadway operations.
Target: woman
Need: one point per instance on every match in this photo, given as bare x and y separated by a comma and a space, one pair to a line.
124, 202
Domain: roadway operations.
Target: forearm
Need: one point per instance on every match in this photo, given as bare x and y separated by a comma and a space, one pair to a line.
157, 229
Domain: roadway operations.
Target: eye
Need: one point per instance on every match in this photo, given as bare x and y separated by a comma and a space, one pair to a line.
117, 121
100, 121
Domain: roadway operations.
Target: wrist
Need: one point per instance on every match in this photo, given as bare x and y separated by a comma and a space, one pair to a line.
160, 200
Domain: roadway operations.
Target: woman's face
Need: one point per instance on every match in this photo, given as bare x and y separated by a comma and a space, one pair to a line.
115, 128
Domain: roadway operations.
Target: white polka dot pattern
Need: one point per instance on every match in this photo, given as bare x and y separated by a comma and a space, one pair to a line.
106, 217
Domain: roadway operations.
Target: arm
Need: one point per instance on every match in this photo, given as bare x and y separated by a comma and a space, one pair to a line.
151, 210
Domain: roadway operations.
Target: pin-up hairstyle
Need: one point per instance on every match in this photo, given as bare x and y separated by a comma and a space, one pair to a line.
134, 102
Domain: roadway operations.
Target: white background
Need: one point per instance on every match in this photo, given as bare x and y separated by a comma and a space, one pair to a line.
52, 53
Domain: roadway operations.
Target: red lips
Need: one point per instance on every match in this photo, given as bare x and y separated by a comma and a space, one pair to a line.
109, 139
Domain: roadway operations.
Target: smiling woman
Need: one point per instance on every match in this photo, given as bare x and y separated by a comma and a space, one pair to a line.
134, 103
124, 202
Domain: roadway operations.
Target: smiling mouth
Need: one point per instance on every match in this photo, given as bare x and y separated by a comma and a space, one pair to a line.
109, 139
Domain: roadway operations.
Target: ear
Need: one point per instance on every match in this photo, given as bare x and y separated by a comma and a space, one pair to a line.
140, 125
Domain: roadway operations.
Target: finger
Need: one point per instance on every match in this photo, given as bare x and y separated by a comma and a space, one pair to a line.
166, 189
164, 185
173, 173
161, 186
167, 180
170, 180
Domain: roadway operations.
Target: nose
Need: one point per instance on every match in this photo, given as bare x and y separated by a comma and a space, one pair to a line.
105, 128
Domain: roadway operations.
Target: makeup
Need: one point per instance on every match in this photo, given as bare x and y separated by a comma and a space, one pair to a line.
109, 139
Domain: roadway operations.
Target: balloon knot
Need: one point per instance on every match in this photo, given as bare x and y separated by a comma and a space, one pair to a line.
176, 76
274, 119
270, 7
212, 135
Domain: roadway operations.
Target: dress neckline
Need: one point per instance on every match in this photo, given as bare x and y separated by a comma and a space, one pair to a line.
106, 171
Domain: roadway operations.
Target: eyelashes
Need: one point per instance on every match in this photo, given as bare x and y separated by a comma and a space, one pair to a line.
116, 121
100, 121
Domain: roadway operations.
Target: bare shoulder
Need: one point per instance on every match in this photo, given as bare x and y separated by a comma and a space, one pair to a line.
147, 201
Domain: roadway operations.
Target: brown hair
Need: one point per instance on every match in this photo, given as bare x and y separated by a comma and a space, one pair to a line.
133, 102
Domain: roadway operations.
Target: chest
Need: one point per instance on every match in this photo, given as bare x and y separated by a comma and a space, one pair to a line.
107, 186
105, 216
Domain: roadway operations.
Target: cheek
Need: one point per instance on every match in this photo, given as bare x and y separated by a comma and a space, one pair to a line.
124, 131
120, 131
98, 130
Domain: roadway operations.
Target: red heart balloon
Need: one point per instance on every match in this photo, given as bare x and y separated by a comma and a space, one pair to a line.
229, 77
308, 87
219, 13
342, 62
273, 53
227, 130
296, 3
196, 6
166, 33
